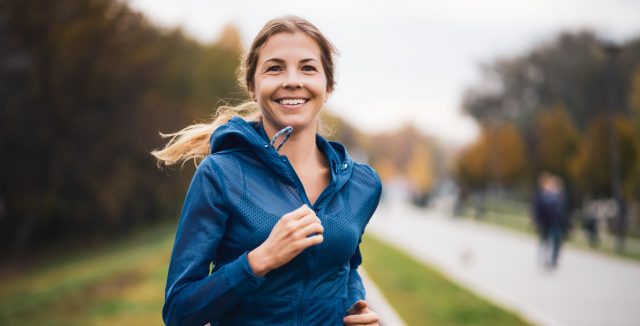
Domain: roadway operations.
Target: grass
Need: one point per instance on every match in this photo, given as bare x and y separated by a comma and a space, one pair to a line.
123, 284
119, 284
423, 296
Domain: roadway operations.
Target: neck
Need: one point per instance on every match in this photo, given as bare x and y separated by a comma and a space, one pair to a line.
300, 148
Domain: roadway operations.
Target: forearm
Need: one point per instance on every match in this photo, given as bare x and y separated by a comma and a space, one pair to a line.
202, 301
355, 287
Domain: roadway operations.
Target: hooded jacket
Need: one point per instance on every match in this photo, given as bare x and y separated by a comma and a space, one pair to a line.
237, 195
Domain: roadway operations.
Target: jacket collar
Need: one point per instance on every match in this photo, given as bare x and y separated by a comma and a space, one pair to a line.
238, 133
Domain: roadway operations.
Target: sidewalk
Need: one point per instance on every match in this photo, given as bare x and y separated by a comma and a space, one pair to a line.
500, 265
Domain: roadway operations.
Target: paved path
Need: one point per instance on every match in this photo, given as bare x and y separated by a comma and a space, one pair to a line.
500, 265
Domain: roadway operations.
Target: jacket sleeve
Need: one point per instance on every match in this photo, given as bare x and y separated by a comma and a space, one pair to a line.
193, 296
355, 288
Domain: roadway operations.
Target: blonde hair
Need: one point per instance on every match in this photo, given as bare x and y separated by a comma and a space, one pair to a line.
192, 142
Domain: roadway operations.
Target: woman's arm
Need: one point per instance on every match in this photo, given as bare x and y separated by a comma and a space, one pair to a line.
355, 288
193, 296
359, 314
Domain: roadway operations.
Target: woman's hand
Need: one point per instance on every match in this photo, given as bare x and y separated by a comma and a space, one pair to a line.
294, 232
359, 314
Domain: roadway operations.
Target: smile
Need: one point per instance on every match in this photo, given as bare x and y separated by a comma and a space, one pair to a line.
292, 101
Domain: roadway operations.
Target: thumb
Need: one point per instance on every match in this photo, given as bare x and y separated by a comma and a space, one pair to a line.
358, 307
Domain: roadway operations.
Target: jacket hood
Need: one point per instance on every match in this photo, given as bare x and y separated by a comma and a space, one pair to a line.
239, 134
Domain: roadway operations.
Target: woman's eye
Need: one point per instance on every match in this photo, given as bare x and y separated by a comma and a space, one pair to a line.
274, 68
309, 68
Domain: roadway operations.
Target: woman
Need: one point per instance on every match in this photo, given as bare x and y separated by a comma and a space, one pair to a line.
275, 208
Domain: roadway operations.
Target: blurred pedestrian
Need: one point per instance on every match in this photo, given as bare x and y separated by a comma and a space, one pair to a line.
550, 218
279, 226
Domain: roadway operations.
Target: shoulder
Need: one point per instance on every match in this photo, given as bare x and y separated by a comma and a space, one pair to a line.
227, 159
366, 181
363, 173
218, 164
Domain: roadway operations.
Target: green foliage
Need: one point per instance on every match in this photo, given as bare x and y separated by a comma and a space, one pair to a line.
593, 157
557, 139
560, 96
497, 156
85, 87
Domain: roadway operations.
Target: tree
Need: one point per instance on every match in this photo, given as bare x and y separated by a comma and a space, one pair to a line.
590, 168
496, 157
557, 140
85, 86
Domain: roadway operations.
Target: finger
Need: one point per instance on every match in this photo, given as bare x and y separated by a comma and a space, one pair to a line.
307, 220
311, 241
367, 318
298, 213
358, 307
361, 305
309, 230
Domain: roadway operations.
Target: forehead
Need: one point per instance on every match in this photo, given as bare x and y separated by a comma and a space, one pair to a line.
290, 46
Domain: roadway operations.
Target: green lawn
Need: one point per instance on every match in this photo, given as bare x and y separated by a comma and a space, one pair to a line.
123, 284
422, 296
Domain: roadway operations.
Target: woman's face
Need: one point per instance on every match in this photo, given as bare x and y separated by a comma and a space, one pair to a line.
290, 84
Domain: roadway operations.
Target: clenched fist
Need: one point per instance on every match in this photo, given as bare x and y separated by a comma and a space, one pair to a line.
294, 232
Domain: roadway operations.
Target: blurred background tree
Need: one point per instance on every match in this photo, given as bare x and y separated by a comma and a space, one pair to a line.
85, 86
555, 96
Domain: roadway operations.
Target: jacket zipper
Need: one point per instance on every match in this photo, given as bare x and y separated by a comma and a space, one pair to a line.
313, 250
305, 200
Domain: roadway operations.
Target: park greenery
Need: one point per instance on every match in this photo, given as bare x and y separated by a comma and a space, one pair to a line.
85, 87
571, 107
549, 109
124, 285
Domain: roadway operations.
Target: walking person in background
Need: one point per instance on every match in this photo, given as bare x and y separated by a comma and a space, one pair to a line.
550, 218
275, 208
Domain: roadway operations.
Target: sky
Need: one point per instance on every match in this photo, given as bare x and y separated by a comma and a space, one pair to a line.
409, 62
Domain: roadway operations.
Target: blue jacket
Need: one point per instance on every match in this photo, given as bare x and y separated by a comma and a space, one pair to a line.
237, 195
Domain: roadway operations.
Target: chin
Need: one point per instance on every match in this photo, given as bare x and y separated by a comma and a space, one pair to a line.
298, 122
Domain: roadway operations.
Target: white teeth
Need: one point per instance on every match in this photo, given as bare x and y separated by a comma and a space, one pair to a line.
290, 101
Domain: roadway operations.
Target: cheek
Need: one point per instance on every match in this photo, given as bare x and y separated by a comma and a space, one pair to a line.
317, 85
265, 87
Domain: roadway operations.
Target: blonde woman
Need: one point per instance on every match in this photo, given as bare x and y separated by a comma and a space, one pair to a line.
275, 208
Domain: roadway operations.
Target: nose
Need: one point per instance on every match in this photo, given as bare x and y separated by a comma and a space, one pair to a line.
292, 82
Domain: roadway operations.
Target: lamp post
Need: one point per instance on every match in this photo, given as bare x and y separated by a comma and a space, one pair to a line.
611, 49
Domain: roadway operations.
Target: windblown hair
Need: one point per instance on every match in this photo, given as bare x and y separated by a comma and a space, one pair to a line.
192, 142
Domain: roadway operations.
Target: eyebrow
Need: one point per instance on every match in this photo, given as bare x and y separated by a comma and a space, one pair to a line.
278, 60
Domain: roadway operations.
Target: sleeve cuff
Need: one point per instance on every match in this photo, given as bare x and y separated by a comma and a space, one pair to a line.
241, 277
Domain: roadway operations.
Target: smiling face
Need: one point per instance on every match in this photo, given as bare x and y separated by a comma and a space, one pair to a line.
290, 84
